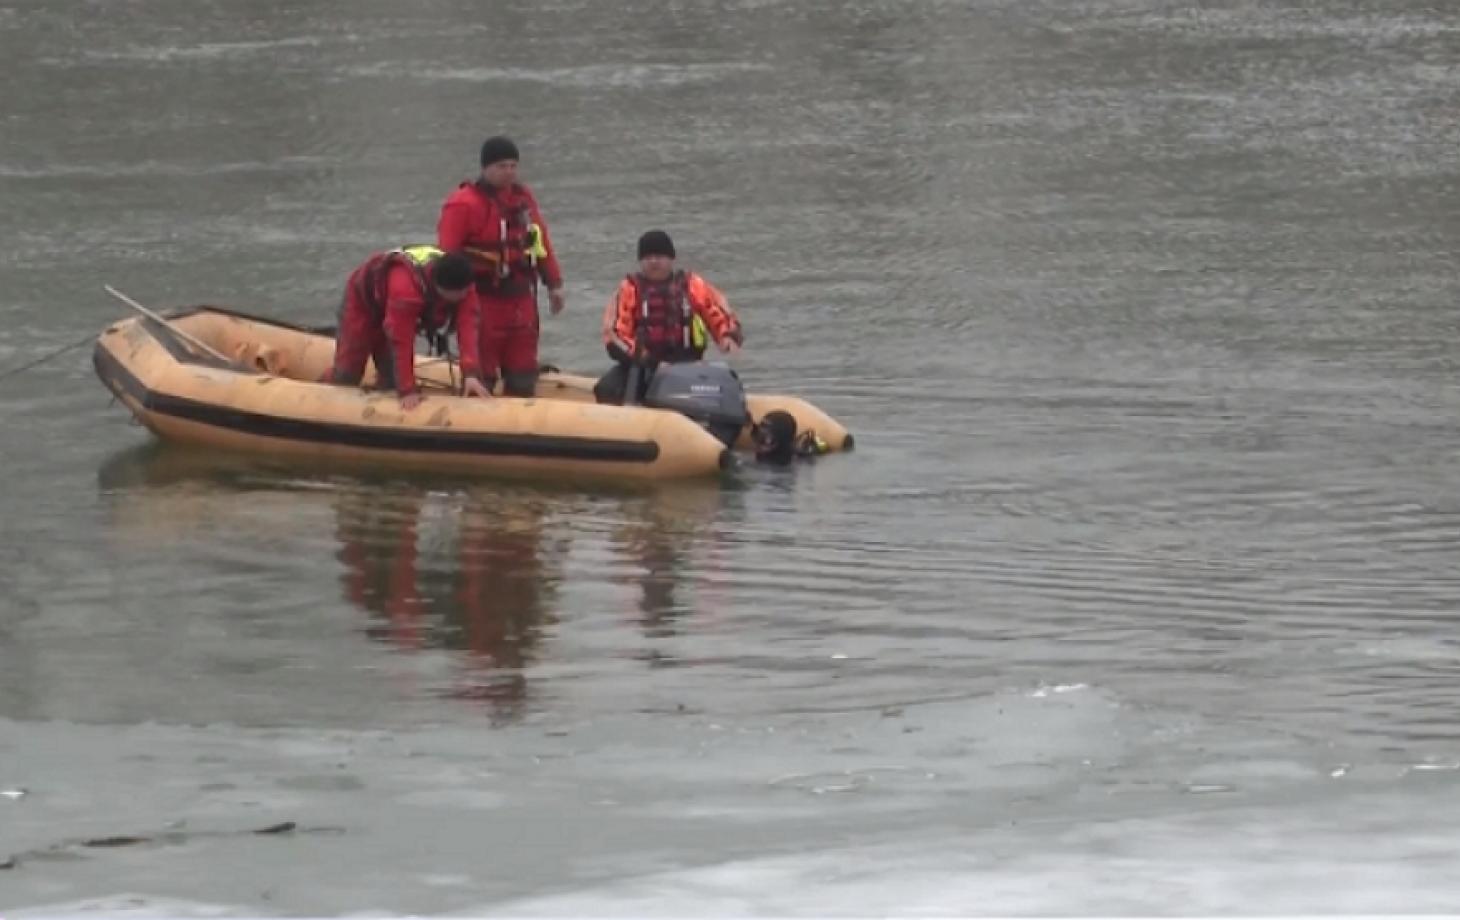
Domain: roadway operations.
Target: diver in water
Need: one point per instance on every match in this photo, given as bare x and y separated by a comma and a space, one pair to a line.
777, 440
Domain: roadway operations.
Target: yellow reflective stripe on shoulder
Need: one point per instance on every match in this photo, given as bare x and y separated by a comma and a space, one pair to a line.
536, 250
422, 253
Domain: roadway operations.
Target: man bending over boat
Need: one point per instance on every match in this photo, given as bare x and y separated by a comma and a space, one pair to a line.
661, 315
389, 298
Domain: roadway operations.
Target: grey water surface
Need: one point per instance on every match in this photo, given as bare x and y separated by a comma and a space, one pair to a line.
1138, 595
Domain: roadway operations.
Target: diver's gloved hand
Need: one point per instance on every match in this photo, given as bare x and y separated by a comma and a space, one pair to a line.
810, 444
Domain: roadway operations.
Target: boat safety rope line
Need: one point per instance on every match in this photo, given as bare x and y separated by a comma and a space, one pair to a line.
48, 356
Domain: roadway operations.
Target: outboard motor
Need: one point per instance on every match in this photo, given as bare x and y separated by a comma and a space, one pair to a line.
710, 394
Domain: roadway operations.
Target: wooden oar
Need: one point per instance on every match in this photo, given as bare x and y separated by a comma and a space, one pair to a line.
185, 336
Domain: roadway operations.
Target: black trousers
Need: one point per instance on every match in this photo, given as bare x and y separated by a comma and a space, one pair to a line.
612, 386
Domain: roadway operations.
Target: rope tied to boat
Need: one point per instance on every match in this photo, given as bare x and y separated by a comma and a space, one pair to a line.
48, 356
438, 344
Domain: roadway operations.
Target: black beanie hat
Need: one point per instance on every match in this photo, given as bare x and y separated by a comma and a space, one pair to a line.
656, 243
498, 148
452, 272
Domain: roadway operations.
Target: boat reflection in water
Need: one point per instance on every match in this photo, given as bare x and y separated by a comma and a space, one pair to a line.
472, 569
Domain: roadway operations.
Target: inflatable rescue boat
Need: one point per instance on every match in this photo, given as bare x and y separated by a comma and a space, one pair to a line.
213, 376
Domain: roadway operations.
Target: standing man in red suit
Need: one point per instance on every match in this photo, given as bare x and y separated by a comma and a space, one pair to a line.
496, 221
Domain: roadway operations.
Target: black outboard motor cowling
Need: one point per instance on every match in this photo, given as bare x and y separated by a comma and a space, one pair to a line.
710, 394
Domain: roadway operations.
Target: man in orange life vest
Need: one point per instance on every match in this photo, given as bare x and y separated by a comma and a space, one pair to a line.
391, 296
496, 221
661, 315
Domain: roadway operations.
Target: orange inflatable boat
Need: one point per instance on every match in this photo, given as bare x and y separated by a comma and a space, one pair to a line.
253, 388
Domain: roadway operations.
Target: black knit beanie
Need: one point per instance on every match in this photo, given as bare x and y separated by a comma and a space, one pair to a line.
498, 148
656, 243
452, 272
